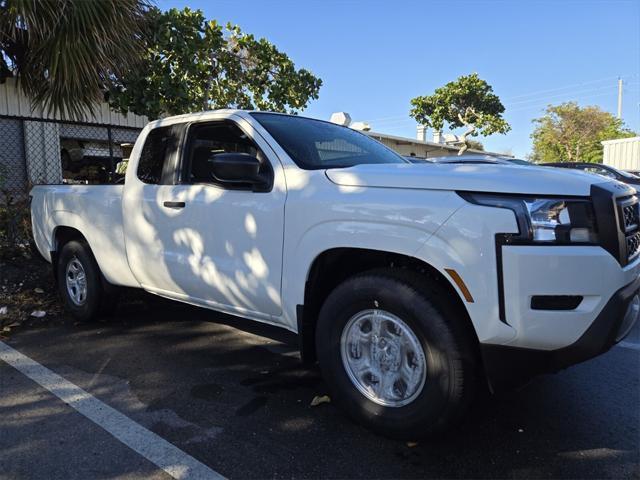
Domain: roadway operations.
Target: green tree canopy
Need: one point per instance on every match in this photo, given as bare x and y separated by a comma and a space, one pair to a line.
192, 64
64, 52
570, 133
467, 102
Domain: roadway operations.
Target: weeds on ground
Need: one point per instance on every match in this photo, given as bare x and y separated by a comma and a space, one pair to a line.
15, 226
27, 293
15, 220
26, 288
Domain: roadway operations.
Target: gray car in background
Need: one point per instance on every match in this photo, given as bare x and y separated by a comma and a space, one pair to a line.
471, 158
599, 169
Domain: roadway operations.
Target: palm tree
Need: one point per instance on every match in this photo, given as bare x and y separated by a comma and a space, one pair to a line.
66, 53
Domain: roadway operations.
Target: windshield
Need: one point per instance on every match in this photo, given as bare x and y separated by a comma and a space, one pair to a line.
315, 144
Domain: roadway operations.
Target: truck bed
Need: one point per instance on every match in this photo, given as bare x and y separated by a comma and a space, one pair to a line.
94, 210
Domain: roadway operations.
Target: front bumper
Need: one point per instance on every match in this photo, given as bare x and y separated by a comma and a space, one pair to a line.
507, 364
587, 272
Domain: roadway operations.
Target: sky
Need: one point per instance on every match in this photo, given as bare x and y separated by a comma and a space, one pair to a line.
375, 56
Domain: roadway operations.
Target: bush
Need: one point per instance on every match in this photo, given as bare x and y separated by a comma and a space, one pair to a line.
15, 226
15, 222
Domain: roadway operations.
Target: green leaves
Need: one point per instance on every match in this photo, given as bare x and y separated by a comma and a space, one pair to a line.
469, 101
569, 133
65, 52
192, 64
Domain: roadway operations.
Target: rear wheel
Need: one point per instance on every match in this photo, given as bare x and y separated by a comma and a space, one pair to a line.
85, 293
393, 355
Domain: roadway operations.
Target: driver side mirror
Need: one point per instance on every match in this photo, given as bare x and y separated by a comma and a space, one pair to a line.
235, 168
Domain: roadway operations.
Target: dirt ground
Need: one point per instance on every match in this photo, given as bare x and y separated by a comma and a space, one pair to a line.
27, 290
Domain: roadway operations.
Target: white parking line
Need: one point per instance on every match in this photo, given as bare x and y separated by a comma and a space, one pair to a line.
631, 345
154, 448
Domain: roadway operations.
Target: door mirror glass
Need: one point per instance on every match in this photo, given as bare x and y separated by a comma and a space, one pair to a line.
235, 168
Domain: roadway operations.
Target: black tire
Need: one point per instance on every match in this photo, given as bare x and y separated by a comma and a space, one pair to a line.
101, 297
448, 352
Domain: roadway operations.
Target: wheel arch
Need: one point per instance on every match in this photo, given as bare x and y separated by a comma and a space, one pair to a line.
335, 265
61, 235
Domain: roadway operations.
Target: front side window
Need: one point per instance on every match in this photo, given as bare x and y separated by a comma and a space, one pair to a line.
209, 139
153, 155
315, 144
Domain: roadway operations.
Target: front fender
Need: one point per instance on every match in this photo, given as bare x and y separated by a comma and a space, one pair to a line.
466, 243
384, 237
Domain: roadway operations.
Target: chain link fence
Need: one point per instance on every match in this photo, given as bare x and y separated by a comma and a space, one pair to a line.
36, 152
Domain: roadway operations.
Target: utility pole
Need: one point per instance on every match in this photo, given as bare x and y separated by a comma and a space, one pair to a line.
619, 98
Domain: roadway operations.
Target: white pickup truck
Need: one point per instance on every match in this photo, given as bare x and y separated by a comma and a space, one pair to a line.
407, 283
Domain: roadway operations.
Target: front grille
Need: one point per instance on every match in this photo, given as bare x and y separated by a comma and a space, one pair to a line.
629, 215
633, 246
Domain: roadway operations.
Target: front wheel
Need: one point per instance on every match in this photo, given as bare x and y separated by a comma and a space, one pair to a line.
393, 355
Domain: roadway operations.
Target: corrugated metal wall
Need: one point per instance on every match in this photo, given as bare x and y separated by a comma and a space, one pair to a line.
623, 154
14, 103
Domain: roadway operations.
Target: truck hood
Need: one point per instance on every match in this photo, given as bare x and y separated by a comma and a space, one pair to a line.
491, 178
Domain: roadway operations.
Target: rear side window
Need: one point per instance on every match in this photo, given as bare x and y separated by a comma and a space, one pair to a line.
154, 154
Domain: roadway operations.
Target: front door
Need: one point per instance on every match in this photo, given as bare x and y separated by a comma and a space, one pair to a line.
222, 243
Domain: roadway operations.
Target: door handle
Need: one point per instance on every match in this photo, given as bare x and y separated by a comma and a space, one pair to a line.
174, 204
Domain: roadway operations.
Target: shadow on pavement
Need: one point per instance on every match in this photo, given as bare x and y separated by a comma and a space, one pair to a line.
234, 394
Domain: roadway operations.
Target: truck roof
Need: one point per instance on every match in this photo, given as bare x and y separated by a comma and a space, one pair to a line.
196, 116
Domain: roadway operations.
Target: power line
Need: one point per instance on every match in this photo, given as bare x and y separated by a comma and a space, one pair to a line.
562, 95
406, 122
542, 105
382, 119
397, 120
550, 90
390, 122
522, 106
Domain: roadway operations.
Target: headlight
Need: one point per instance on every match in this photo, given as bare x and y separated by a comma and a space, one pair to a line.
546, 220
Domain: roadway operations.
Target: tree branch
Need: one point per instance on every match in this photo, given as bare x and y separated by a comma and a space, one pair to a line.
470, 130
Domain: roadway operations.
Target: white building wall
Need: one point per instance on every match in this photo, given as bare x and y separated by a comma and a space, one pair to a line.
14, 103
623, 153
409, 147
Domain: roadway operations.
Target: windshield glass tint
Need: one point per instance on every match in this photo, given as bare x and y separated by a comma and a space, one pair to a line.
315, 144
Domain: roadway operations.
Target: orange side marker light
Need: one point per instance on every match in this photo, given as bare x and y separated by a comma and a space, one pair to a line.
461, 285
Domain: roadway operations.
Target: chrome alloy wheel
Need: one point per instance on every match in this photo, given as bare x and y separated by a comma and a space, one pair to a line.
383, 358
76, 282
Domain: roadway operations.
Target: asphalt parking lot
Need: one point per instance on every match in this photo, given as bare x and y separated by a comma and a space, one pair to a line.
234, 398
